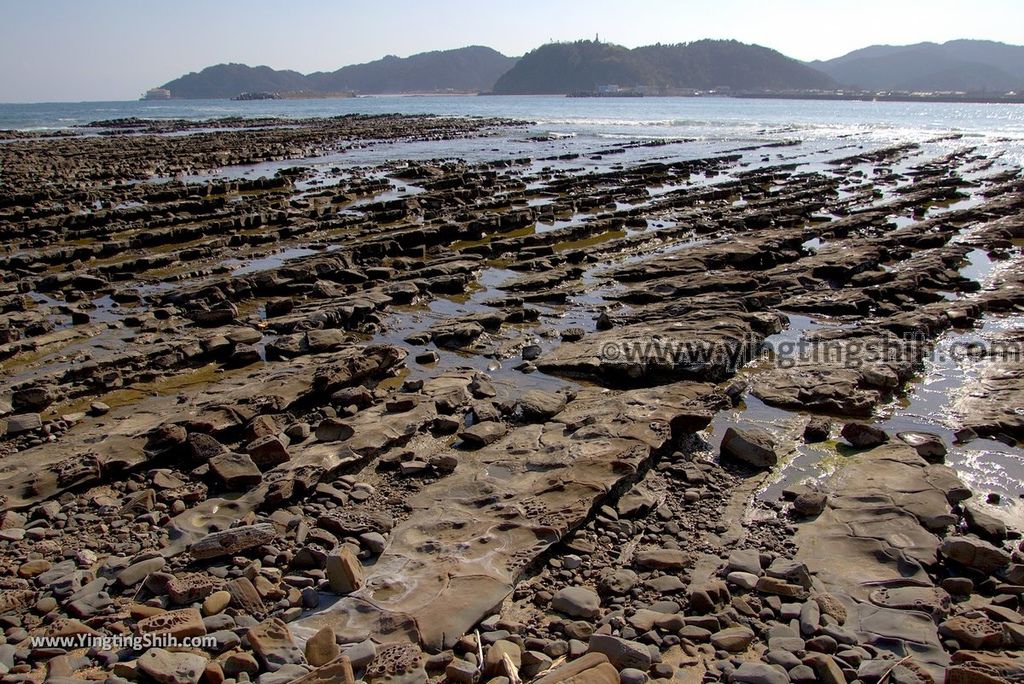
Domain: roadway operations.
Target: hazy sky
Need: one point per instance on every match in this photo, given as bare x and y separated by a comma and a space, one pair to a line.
53, 50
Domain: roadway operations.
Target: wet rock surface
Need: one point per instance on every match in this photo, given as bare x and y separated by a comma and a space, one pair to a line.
343, 411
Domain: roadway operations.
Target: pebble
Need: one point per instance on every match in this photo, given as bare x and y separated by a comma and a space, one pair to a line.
216, 602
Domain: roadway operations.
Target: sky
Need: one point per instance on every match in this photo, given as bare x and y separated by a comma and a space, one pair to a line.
77, 50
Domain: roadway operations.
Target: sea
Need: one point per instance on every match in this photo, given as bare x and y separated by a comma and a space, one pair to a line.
995, 128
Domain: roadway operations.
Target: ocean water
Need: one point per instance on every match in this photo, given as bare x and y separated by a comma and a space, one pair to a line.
997, 129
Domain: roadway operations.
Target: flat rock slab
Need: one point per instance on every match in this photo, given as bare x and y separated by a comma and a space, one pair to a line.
839, 372
992, 405
869, 548
915, 630
645, 355
867, 522
469, 536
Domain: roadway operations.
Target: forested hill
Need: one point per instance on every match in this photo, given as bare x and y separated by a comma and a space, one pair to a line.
705, 64
468, 70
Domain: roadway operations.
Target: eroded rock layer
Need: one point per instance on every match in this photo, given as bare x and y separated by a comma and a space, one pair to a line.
410, 398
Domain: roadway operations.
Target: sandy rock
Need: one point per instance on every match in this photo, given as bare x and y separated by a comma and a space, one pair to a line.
192, 587
974, 633
137, 572
232, 541
23, 422
321, 648
186, 622
338, 671
344, 572
494, 659
273, 644
172, 668
216, 602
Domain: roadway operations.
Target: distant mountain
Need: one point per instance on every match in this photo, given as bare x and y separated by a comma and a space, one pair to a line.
229, 80
974, 66
584, 65
959, 65
469, 69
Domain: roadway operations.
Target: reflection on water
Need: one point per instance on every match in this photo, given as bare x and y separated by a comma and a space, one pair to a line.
276, 260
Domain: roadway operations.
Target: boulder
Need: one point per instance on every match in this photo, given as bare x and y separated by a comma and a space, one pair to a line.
267, 452
192, 587
23, 422
817, 429
973, 633
826, 670
810, 503
481, 434
616, 581
494, 660
136, 572
929, 446
758, 673
974, 553
333, 430
580, 602
864, 436
245, 596
733, 639
321, 648
236, 472
751, 445
538, 405
984, 524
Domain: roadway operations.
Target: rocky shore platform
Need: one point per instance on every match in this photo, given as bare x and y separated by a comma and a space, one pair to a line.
407, 399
